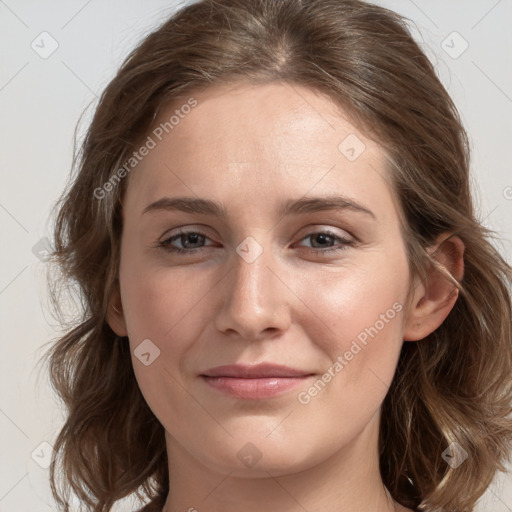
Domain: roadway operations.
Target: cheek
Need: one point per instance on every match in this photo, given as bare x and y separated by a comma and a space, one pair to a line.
360, 312
350, 301
159, 300
161, 306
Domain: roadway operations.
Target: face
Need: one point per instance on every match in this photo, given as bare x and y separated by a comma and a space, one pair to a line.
299, 286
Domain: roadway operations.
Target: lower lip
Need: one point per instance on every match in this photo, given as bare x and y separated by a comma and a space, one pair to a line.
257, 388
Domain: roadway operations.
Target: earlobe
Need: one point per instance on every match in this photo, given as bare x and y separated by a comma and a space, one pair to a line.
115, 315
435, 296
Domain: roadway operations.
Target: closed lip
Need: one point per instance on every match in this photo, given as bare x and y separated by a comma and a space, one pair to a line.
256, 371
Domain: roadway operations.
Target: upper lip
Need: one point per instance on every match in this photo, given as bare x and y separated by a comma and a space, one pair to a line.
261, 370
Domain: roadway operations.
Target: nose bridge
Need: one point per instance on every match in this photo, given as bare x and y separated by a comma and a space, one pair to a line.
253, 299
251, 280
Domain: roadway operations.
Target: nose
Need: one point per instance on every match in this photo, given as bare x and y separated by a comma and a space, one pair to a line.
255, 303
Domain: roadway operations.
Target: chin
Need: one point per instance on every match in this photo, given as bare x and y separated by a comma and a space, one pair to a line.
261, 457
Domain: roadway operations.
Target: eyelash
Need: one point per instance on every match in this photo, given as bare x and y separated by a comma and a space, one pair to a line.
166, 244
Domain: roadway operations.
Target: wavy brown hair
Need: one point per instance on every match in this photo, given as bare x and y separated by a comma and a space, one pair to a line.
453, 386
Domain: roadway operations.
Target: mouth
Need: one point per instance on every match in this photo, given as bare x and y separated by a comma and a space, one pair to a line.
254, 382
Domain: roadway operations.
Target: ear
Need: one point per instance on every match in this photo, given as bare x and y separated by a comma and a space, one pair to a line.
115, 313
435, 296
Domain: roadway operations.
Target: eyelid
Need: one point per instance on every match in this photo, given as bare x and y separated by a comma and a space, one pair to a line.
327, 232
184, 230
327, 229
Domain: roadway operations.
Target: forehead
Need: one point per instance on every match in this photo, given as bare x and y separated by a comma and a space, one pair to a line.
274, 137
271, 113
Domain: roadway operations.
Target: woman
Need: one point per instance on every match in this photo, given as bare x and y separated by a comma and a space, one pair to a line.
288, 301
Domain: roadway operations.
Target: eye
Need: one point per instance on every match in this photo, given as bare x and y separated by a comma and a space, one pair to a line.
193, 241
324, 239
188, 239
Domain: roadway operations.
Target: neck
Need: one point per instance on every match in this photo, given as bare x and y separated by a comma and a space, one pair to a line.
349, 481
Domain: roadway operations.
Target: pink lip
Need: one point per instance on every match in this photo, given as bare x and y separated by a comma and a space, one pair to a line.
260, 381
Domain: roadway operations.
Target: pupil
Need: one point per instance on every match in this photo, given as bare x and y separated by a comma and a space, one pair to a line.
322, 238
191, 238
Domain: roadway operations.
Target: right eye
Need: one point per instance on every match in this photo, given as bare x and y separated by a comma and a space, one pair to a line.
185, 238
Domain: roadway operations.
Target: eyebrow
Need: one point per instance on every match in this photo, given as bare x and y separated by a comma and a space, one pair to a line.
289, 207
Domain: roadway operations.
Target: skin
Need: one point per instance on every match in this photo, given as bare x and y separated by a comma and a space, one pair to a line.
250, 147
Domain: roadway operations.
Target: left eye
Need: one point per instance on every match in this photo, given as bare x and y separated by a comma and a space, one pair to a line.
323, 239
326, 237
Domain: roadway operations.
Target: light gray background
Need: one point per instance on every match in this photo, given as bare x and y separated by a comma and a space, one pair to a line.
41, 100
